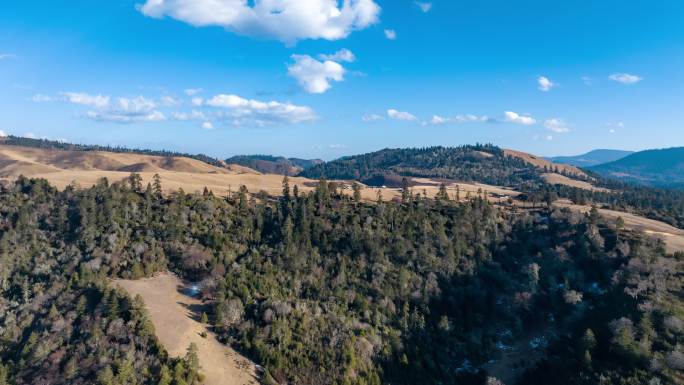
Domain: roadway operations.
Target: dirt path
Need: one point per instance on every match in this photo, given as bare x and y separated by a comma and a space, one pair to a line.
672, 236
172, 316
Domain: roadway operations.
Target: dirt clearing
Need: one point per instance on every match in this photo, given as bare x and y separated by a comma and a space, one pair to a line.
672, 236
553, 178
176, 327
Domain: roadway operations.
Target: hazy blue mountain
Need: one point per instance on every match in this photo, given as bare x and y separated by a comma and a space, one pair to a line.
592, 158
662, 168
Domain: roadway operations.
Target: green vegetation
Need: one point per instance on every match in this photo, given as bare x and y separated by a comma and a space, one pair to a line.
274, 164
478, 163
321, 288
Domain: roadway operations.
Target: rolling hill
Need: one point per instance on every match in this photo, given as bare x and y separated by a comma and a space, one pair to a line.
478, 163
658, 168
269, 164
592, 158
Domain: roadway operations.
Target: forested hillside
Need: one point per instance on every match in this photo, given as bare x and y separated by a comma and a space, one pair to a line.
479, 163
274, 164
321, 288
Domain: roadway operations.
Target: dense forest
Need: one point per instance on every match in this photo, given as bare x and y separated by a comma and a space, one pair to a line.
479, 163
489, 164
322, 288
274, 164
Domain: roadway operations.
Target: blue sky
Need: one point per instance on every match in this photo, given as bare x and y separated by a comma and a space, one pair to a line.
319, 78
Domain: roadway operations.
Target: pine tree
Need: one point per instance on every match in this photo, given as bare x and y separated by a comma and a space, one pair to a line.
156, 181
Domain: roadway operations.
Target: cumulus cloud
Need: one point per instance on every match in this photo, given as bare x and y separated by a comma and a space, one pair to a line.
208, 126
169, 101
467, 118
556, 125
249, 111
193, 91
284, 20
2, 134
127, 110
125, 117
315, 76
84, 99
625, 78
424, 6
197, 101
40, 98
400, 115
391, 34
343, 55
372, 117
514, 117
545, 84
192, 115
103, 109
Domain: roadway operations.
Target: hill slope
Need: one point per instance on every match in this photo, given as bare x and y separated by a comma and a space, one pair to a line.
592, 158
660, 168
479, 163
269, 164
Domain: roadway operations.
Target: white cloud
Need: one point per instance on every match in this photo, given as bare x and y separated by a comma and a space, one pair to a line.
400, 115
2, 134
193, 91
138, 104
169, 101
549, 137
123, 110
128, 110
390, 34
514, 117
29, 135
424, 6
625, 78
249, 111
7, 56
284, 20
587, 80
197, 101
207, 126
545, 84
125, 117
436, 119
467, 118
612, 130
84, 99
372, 117
556, 125
40, 98
315, 76
343, 55
336, 146
193, 115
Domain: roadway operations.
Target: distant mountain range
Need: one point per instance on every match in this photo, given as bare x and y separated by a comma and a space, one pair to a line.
269, 164
592, 158
658, 168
